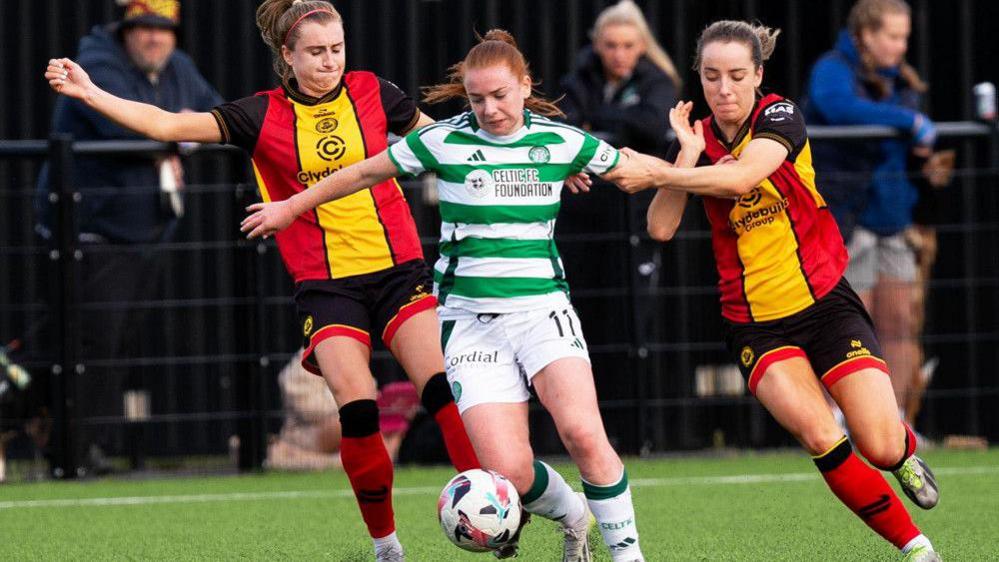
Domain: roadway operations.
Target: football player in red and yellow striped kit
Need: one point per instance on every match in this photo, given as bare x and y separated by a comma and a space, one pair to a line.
791, 319
357, 263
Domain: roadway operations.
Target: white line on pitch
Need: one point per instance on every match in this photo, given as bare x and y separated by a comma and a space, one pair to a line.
421, 490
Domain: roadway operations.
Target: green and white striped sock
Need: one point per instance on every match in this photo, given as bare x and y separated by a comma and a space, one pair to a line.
550, 497
611, 506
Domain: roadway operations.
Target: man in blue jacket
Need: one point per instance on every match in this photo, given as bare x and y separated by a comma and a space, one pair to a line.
128, 201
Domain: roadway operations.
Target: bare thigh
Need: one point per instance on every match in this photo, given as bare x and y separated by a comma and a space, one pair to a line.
344, 362
868, 403
417, 347
791, 392
566, 389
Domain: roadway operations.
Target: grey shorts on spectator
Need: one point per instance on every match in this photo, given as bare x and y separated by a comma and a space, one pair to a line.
873, 257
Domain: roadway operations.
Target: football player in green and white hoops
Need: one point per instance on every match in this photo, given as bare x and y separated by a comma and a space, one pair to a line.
506, 318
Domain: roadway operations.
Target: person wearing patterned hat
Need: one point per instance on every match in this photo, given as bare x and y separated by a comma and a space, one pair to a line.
152, 13
128, 199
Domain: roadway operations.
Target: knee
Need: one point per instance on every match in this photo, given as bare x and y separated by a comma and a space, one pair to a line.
819, 438
880, 450
521, 474
584, 441
517, 468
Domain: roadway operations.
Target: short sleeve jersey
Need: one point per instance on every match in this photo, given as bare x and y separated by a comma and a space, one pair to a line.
296, 140
499, 198
777, 248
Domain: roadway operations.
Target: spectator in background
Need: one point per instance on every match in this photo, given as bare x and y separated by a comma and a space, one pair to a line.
622, 88
865, 80
128, 200
310, 436
624, 83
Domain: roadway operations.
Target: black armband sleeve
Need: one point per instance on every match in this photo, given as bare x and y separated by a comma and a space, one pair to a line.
782, 122
400, 109
240, 121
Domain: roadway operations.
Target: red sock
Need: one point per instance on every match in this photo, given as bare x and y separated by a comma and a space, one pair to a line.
866, 493
439, 403
368, 465
459, 447
910, 444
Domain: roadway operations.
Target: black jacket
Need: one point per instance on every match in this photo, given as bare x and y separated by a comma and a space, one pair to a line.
638, 113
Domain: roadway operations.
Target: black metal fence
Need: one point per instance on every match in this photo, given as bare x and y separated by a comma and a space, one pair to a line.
197, 388
412, 42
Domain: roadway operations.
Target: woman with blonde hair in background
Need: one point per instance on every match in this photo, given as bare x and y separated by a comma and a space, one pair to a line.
624, 83
621, 89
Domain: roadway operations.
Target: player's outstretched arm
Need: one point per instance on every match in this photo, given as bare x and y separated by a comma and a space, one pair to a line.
666, 209
268, 218
69, 79
760, 159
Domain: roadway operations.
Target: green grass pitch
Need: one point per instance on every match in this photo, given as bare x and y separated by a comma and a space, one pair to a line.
761, 507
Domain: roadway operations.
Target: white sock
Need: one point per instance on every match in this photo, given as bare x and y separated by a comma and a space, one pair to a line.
550, 497
920, 540
391, 538
611, 506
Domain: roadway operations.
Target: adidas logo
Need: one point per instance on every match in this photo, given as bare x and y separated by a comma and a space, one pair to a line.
477, 157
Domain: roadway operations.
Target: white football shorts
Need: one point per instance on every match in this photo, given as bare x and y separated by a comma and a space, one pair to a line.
491, 358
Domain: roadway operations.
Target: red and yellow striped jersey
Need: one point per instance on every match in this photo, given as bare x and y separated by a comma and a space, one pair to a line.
777, 248
296, 140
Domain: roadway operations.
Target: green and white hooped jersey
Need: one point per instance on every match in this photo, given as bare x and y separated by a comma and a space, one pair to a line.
499, 197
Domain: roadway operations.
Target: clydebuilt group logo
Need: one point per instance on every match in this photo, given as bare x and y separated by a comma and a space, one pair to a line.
747, 356
756, 215
307, 326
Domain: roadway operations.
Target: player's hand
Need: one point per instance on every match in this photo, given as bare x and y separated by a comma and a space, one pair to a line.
635, 172
68, 78
690, 137
267, 219
579, 183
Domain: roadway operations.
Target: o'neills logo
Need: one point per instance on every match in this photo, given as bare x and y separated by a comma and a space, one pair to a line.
858, 349
473, 357
309, 177
759, 217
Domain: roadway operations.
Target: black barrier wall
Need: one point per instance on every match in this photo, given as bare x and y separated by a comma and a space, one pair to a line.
212, 345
